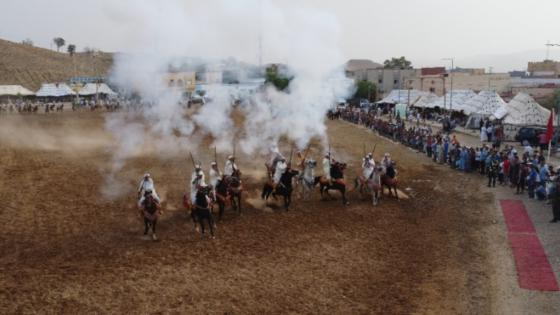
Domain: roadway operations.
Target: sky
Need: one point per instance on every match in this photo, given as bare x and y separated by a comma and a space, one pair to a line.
502, 34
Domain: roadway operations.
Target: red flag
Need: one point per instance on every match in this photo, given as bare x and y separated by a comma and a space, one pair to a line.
550, 127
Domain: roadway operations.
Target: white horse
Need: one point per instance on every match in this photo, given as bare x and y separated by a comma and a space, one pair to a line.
307, 180
372, 185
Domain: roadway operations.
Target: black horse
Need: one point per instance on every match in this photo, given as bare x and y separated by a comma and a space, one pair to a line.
337, 182
284, 188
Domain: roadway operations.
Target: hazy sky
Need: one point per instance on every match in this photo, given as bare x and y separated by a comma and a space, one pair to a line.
503, 34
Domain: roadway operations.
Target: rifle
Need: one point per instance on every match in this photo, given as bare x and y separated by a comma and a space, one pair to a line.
216, 157
291, 153
374, 146
192, 160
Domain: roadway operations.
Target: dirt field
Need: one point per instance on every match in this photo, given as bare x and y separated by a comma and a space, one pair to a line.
65, 250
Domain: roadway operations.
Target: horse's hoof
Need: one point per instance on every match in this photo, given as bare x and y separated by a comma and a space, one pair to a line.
154, 237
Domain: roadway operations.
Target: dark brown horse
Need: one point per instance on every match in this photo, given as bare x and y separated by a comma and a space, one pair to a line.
389, 180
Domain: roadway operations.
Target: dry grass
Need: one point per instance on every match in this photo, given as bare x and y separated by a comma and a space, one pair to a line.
30, 66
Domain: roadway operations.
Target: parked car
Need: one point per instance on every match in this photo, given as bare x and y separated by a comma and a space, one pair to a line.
531, 134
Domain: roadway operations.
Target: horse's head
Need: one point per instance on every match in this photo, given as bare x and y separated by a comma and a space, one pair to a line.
311, 163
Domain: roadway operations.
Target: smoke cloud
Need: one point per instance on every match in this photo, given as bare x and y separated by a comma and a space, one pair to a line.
165, 33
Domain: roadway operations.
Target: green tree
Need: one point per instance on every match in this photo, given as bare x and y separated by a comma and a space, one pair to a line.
59, 42
71, 49
281, 82
397, 63
366, 89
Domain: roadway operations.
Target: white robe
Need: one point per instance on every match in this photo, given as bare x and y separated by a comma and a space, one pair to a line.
327, 168
483, 134
195, 182
367, 168
214, 177
147, 184
229, 168
280, 169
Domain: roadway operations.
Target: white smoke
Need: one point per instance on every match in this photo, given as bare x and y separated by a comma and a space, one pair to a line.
163, 33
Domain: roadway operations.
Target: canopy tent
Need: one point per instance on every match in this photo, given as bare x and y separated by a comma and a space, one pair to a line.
523, 110
54, 90
485, 103
427, 101
14, 90
96, 88
456, 100
460, 97
402, 97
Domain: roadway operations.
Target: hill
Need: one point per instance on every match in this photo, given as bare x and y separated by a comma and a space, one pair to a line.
30, 66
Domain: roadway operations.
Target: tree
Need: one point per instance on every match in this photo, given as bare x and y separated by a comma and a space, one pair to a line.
27, 42
366, 89
274, 77
59, 42
397, 63
71, 49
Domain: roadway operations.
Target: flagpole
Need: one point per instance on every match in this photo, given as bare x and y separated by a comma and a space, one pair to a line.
550, 140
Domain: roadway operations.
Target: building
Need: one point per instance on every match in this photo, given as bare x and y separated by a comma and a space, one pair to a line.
209, 77
544, 69
357, 69
387, 80
185, 80
438, 81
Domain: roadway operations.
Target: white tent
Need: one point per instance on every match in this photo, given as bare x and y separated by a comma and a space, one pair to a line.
485, 103
427, 101
457, 102
523, 110
94, 88
14, 90
401, 97
460, 97
55, 90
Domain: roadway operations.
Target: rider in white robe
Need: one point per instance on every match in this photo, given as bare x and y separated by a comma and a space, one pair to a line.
281, 167
197, 179
215, 177
368, 166
147, 183
230, 166
327, 167
387, 160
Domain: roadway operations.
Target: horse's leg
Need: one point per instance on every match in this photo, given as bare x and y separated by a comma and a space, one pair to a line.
396, 192
221, 206
146, 226
343, 192
239, 203
211, 223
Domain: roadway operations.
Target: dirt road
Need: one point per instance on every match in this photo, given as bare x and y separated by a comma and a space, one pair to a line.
66, 250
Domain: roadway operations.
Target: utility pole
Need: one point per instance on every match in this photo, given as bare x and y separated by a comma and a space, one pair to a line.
548, 45
451, 83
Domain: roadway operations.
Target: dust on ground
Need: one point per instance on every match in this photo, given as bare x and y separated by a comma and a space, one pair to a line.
67, 250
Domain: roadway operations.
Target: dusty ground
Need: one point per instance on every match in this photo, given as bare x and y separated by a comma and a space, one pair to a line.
65, 250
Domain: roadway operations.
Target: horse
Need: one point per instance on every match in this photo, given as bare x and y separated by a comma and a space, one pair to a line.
235, 189
223, 196
389, 180
284, 188
150, 209
194, 214
371, 185
337, 182
308, 180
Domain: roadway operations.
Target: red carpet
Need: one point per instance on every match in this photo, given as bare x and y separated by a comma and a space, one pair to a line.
533, 269
517, 219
